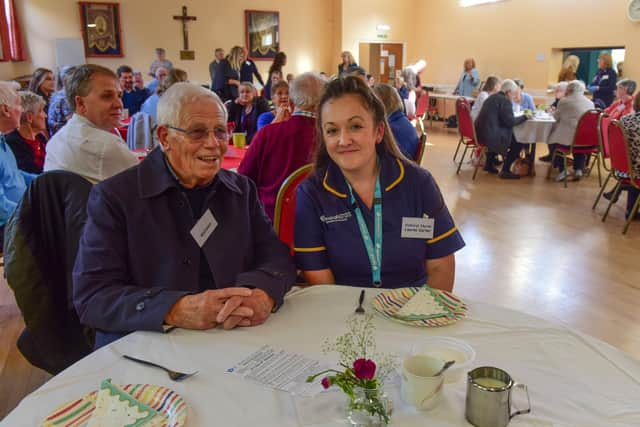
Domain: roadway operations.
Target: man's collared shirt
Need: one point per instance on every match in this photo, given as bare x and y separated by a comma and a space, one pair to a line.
327, 235
12, 182
93, 153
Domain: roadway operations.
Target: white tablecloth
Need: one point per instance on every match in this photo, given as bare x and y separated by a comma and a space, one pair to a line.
573, 379
449, 96
533, 130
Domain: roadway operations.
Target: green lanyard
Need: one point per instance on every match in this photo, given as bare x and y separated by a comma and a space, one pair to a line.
374, 249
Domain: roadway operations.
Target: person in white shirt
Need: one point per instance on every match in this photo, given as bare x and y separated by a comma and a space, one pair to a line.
491, 86
86, 144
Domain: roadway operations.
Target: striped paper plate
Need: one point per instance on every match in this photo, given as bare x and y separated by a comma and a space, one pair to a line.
388, 303
164, 400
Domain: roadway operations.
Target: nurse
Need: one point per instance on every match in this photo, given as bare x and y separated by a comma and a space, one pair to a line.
367, 216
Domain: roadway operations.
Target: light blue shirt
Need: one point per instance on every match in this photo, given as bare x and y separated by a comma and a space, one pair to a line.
12, 182
150, 106
153, 85
466, 85
526, 102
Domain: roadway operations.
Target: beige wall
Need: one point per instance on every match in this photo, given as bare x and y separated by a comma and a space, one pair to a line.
306, 32
505, 38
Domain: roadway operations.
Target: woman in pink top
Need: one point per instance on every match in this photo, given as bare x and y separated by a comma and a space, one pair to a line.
623, 104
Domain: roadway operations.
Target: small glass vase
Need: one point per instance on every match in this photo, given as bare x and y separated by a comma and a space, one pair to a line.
369, 408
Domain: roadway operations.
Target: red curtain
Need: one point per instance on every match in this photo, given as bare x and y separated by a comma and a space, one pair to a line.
12, 48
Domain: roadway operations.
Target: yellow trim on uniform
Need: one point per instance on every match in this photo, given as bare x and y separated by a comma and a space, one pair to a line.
316, 249
400, 178
442, 236
331, 190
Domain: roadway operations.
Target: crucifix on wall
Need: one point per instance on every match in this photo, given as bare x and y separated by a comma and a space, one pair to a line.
185, 54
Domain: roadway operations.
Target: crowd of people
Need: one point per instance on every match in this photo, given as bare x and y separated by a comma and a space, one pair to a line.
232, 270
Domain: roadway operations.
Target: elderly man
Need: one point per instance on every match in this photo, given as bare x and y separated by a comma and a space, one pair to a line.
177, 240
13, 182
86, 144
567, 115
623, 104
132, 97
280, 148
161, 74
494, 127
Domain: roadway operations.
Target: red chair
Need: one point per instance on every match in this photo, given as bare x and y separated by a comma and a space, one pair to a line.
620, 163
285, 211
421, 146
467, 133
422, 106
585, 141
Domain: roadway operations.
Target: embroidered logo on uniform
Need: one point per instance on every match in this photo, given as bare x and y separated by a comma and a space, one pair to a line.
336, 218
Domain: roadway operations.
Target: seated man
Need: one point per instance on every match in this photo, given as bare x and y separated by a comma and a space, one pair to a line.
524, 100
85, 145
494, 127
231, 270
161, 74
281, 148
567, 115
132, 96
12, 181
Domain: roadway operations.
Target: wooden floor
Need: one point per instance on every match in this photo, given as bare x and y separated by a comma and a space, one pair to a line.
532, 245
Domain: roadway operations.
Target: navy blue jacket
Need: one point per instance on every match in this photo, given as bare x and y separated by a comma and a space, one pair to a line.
248, 70
133, 100
605, 80
404, 133
137, 257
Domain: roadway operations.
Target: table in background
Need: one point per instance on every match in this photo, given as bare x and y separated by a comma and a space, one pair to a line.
573, 379
231, 159
446, 97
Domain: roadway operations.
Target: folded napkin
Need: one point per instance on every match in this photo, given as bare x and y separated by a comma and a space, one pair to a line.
116, 407
425, 304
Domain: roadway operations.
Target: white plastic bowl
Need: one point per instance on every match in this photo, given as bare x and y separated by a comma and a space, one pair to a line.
446, 348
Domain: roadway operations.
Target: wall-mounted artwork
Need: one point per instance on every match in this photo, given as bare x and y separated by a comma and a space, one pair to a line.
101, 30
263, 34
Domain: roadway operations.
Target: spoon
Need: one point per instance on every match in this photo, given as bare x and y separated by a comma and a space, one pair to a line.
446, 366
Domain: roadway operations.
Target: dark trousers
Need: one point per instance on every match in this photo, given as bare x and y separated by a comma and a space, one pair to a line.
632, 196
513, 153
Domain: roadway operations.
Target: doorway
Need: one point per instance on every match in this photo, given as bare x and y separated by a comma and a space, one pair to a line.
384, 61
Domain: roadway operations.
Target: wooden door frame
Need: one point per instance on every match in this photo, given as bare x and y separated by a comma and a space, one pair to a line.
378, 41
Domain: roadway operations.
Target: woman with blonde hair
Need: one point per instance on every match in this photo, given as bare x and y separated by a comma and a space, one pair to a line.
569, 69
469, 79
230, 68
348, 64
359, 182
603, 85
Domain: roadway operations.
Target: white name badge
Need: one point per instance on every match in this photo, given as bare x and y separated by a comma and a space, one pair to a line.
417, 228
204, 227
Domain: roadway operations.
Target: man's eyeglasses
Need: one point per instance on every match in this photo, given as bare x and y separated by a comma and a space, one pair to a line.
202, 134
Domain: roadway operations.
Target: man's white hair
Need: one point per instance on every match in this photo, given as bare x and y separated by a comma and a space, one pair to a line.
508, 85
576, 86
8, 92
178, 96
306, 90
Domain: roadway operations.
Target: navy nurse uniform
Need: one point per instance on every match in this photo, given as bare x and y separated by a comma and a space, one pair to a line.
327, 233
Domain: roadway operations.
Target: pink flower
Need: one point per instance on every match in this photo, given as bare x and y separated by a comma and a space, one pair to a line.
364, 369
326, 382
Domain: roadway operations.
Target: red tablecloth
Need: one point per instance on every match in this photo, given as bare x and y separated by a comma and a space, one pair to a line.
124, 128
231, 160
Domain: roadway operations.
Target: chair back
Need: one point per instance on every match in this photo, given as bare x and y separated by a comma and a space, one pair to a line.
422, 105
285, 209
587, 130
603, 134
41, 241
421, 146
619, 147
465, 122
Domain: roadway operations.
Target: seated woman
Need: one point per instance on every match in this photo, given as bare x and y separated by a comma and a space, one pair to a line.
246, 109
281, 106
403, 132
407, 95
524, 101
209, 257
150, 106
359, 182
28, 141
559, 92
275, 73
469, 79
491, 86
623, 104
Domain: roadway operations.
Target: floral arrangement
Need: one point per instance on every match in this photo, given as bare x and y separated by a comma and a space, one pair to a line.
361, 380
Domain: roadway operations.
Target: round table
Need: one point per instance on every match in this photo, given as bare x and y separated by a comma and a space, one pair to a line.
573, 379
534, 130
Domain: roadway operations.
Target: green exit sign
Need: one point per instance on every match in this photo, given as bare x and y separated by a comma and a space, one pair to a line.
382, 36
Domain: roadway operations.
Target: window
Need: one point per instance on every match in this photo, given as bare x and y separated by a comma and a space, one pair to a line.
10, 35
467, 3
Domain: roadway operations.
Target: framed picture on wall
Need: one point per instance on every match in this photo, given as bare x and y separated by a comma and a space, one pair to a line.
101, 31
263, 34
